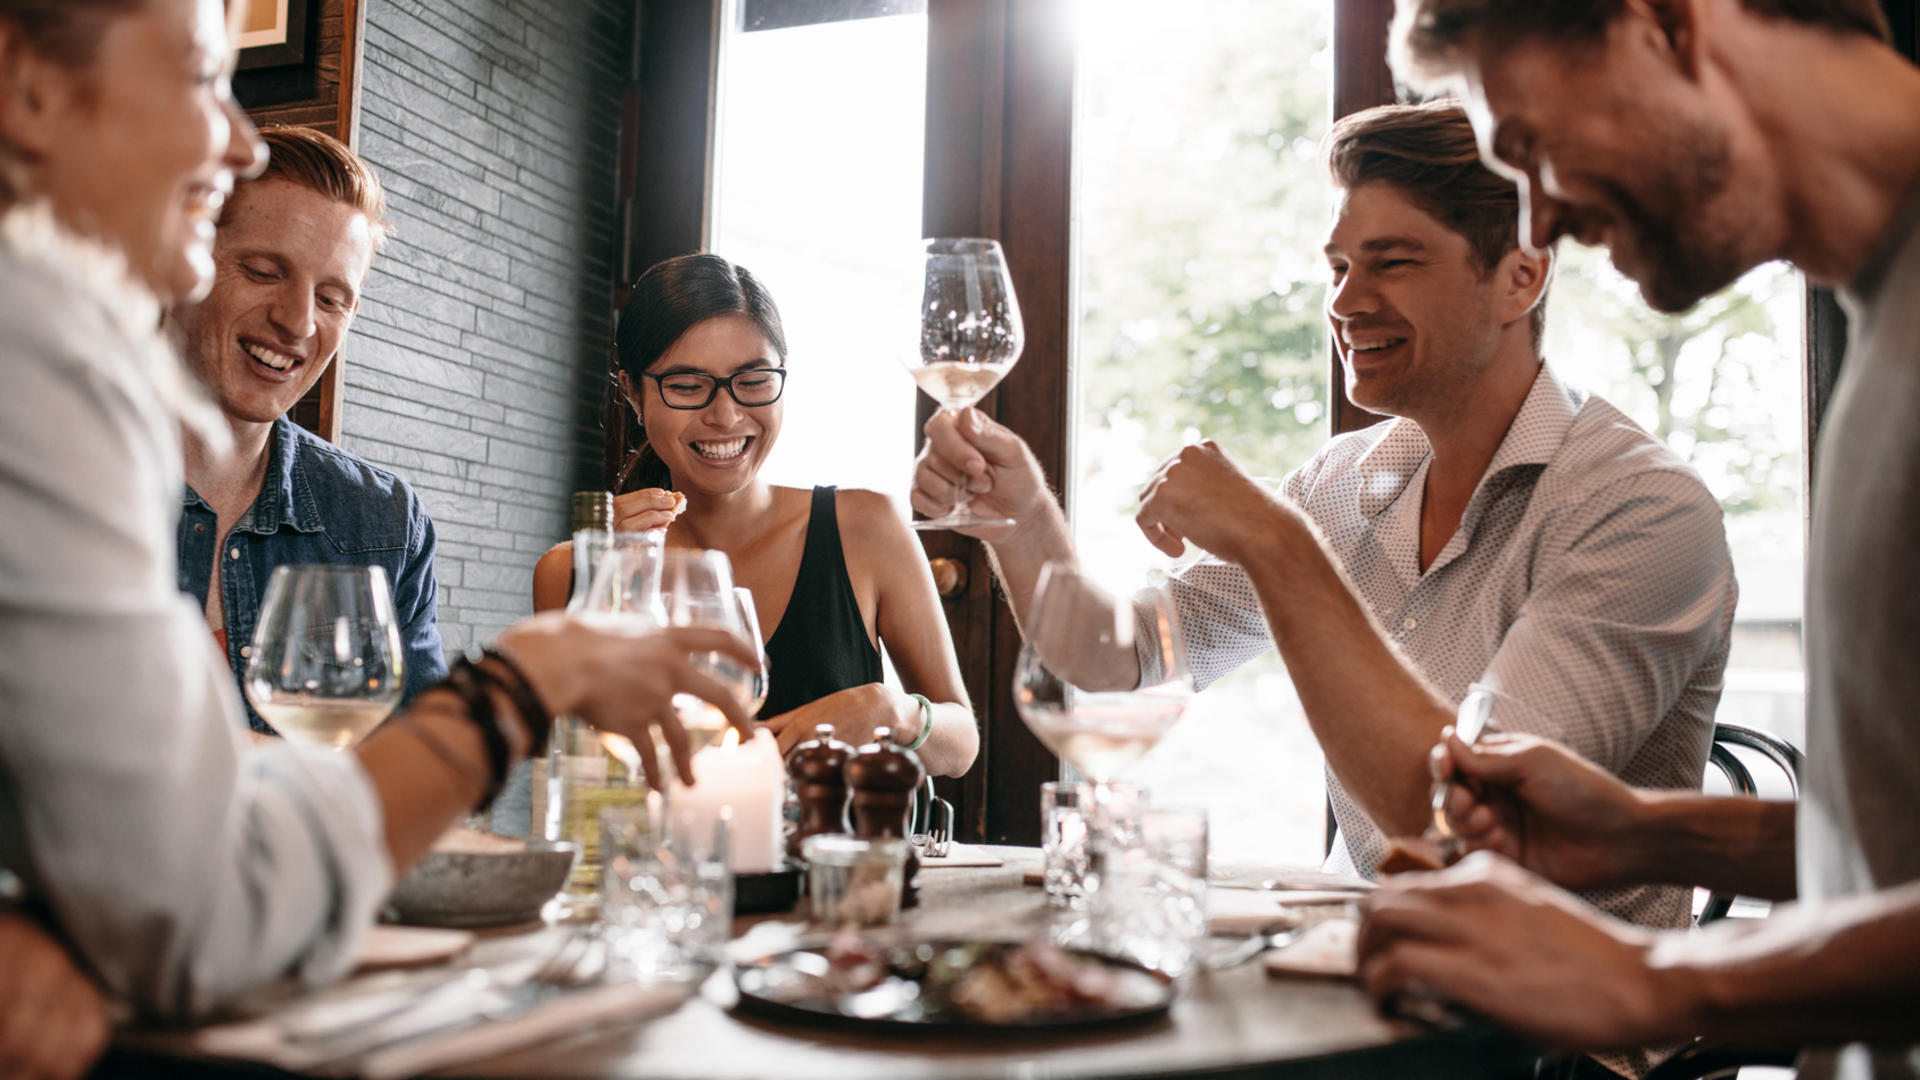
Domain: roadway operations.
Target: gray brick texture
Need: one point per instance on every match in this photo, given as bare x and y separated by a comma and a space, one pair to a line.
476, 367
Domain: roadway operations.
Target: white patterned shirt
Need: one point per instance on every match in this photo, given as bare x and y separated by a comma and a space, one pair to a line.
1588, 586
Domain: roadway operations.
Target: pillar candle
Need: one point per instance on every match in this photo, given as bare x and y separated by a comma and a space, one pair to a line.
748, 778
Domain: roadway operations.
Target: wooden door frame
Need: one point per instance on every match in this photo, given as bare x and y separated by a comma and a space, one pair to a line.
999, 144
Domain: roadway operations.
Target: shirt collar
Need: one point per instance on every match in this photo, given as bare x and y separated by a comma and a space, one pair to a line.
1534, 437
286, 499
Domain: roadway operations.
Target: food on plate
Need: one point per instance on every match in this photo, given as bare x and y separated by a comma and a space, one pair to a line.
1410, 855
969, 982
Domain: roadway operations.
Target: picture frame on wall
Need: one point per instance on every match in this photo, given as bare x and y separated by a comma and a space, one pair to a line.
273, 33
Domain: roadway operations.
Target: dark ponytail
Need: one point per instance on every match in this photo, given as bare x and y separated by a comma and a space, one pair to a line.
671, 298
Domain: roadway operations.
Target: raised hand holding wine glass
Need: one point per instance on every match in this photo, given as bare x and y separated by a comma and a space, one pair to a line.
970, 337
326, 664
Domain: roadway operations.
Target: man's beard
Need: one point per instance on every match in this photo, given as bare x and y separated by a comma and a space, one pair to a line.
1685, 253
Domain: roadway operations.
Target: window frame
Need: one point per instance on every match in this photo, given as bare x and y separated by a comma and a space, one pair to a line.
1000, 80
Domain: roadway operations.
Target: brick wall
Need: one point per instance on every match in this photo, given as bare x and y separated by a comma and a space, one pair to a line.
476, 367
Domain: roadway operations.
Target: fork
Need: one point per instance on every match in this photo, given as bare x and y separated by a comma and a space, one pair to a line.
440, 1007
1471, 719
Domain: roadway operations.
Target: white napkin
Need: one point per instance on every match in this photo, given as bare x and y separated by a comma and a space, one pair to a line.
1236, 912
266, 1039
408, 946
1326, 949
963, 855
1257, 911
623, 1001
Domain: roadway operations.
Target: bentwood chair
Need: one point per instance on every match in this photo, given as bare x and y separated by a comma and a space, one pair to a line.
1704, 1060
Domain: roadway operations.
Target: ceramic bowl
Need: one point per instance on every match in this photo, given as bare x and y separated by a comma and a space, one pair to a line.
468, 889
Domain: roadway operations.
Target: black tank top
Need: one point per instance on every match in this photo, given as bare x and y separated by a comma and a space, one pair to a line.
821, 645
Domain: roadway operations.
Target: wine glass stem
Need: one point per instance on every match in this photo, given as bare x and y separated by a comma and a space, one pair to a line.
962, 497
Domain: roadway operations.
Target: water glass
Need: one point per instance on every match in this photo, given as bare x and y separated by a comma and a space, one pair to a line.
1149, 902
1067, 820
667, 894
853, 881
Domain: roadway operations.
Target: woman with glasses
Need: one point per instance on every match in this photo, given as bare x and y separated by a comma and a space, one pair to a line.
177, 866
834, 574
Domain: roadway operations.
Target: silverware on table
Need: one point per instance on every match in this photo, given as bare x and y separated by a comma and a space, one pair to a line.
471, 997
1231, 952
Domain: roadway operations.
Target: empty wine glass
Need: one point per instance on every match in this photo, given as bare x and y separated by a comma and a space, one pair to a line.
750, 620
325, 666
970, 337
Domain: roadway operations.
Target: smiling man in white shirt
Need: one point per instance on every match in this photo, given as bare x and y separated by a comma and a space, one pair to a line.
1504, 529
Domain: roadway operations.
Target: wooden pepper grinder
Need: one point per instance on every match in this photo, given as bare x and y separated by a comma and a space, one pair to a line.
884, 776
818, 770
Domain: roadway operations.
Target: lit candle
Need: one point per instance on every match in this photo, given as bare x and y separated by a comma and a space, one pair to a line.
748, 780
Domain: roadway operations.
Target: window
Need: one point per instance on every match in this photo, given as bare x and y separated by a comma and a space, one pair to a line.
817, 167
1200, 205
1711, 384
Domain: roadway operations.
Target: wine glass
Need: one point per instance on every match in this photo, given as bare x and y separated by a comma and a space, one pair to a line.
325, 665
696, 589
750, 620
970, 335
1099, 680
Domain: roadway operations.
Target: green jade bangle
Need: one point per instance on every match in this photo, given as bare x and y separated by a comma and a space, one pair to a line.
926, 722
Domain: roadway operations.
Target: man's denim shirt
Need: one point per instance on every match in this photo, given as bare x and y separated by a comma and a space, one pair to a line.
319, 504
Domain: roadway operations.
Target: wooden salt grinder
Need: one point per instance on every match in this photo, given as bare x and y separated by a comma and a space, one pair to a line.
817, 768
884, 776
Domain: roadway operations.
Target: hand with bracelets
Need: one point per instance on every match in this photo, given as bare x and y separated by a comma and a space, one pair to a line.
494, 712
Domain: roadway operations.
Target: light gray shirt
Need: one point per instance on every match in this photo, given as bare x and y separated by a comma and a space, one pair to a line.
183, 866
1588, 586
1859, 815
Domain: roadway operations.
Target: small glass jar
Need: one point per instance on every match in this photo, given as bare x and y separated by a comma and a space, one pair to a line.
855, 882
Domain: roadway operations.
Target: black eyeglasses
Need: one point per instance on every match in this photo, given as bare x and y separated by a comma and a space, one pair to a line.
695, 389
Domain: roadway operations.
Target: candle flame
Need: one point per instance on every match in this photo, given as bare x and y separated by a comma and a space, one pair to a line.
622, 749
731, 738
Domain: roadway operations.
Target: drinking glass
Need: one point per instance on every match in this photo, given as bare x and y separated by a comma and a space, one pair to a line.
970, 336
1066, 807
667, 896
326, 664
1100, 681
750, 622
696, 589
1085, 651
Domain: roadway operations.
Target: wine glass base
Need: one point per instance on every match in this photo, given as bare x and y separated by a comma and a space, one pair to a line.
968, 520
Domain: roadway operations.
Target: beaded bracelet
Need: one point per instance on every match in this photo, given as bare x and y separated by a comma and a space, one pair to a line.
926, 722
461, 677
510, 679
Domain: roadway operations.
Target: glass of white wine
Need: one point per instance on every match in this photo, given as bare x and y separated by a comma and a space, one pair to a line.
970, 337
696, 589
750, 622
1100, 680
326, 664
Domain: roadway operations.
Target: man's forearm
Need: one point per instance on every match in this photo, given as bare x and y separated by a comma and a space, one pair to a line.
1017, 559
1726, 844
1376, 717
1832, 972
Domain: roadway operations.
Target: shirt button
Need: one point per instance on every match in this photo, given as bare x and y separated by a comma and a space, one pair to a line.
246, 651
233, 553
1409, 623
199, 528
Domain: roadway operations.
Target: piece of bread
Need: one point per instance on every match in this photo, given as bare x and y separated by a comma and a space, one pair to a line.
679, 503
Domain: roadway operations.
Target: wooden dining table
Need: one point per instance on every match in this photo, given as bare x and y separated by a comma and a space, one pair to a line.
1241, 1021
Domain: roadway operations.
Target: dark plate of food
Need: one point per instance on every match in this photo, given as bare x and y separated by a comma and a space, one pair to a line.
955, 984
